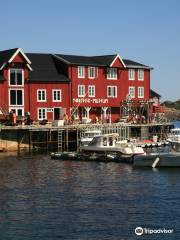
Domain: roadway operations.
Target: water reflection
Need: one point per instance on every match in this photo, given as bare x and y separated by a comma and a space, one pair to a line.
45, 199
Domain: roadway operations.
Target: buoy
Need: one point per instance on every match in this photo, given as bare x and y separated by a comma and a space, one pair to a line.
155, 162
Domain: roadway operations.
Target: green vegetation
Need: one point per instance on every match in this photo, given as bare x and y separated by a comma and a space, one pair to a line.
170, 104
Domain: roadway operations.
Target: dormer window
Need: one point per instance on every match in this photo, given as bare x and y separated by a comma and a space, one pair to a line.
16, 77
112, 73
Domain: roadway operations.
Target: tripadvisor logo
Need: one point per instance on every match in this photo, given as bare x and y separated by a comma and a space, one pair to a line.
140, 231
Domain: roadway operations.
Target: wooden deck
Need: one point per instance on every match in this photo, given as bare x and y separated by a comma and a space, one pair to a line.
63, 137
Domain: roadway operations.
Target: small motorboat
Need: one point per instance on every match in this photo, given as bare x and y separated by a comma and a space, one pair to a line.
107, 143
155, 160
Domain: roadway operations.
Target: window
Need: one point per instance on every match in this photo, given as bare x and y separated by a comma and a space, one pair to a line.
56, 93
112, 91
132, 92
131, 74
112, 73
41, 95
140, 92
17, 111
16, 77
16, 97
92, 72
81, 72
91, 91
140, 74
81, 90
84, 113
42, 113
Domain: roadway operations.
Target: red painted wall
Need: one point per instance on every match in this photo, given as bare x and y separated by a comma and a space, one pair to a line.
30, 91
34, 104
101, 83
70, 90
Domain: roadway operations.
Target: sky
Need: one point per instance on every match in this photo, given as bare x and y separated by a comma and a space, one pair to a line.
144, 31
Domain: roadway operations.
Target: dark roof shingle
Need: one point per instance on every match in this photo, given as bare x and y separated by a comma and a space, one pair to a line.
6, 55
130, 63
154, 94
44, 68
105, 60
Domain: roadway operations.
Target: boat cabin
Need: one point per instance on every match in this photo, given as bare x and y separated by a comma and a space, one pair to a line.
174, 135
104, 141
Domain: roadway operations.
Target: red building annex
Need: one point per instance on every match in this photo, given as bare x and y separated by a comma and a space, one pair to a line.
97, 88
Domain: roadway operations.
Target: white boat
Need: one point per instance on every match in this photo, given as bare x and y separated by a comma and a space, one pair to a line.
109, 143
174, 139
88, 136
156, 160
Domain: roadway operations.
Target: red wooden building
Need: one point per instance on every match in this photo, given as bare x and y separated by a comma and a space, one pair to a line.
88, 88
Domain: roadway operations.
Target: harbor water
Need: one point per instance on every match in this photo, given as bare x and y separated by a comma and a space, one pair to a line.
47, 199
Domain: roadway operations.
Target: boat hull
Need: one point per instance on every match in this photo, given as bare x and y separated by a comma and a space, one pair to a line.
155, 161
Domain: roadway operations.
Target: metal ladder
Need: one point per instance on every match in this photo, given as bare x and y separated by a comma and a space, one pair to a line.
60, 138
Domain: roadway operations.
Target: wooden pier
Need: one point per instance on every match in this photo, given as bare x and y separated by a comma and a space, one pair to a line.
66, 138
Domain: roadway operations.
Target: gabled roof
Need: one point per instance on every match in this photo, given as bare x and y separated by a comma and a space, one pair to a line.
154, 94
132, 64
8, 55
103, 61
45, 69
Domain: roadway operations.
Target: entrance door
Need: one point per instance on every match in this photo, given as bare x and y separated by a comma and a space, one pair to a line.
57, 112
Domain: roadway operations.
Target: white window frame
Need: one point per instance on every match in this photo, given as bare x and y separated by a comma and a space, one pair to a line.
41, 90
9, 77
110, 75
141, 74
131, 74
16, 110
55, 91
41, 118
15, 89
140, 92
79, 92
90, 91
92, 72
131, 87
81, 71
109, 95
84, 113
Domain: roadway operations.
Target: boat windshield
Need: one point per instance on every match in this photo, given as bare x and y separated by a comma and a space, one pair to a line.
96, 141
177, 132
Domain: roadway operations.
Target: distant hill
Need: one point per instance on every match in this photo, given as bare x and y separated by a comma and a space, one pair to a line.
170, 104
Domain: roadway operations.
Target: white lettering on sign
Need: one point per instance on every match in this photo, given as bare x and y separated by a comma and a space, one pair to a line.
49, 109
90, 100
